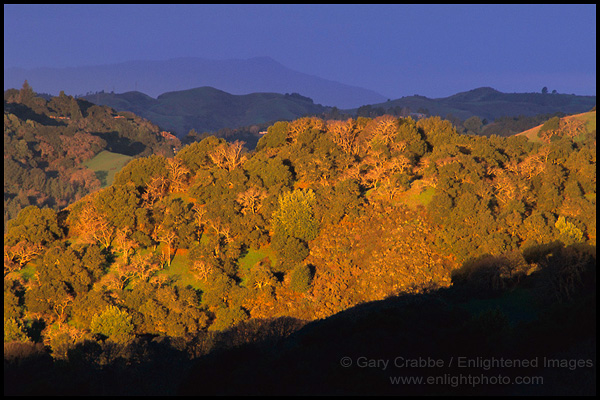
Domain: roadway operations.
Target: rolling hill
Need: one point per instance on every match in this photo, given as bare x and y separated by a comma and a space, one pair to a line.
58, 150
206, 109
488, 103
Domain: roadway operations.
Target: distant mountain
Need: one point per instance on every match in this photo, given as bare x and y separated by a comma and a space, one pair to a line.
206, 109
488, 103
260, 74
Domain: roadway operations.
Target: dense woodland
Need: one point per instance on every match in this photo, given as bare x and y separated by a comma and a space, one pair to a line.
323, 216
46, 140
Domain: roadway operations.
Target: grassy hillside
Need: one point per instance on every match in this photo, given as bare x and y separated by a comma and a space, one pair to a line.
106, 164
588, 119
58, 149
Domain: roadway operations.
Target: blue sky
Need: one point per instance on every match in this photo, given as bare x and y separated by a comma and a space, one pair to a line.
396, 50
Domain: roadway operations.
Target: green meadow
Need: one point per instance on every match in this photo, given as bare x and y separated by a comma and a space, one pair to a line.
106, 164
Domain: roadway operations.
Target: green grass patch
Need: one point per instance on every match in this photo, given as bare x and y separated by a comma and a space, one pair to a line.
179, 271
27, 272
372, 190
424, 198
106, 164
534, 136
183, 196
419, 197
253, 256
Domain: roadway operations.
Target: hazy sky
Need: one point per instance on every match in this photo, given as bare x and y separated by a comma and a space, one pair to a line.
396, 50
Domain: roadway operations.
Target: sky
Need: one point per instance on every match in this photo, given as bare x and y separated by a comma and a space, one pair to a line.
395, 50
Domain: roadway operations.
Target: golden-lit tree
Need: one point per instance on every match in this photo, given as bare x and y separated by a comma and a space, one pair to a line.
178, 174
506, 189
144, 266
155, 190
531, 166
124, 244
544, 152
572, 127
510, 187
221, 230
201, 270
251, 199
386, 127
23, 252
166, 236
93, 226
199, 217
301, 125
228, 156
398, 146
376, 171
61, 337
343, 133
60, 305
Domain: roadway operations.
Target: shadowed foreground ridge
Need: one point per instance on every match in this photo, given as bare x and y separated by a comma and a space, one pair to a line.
546, 318
361, 350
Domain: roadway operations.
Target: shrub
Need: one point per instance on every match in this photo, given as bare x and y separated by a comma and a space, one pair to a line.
551, 125
228, 317
276, 136
300, 278
113, 323
295, 216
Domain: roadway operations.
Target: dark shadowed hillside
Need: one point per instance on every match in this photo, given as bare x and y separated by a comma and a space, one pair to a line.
488, 103
439, 343
389, 347
207, 109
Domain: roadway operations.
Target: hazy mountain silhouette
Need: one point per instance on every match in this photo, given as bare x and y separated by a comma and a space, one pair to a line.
235, 76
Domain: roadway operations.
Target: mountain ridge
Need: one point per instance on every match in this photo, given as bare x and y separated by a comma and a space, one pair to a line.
236, 76
206, 109
489, 103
